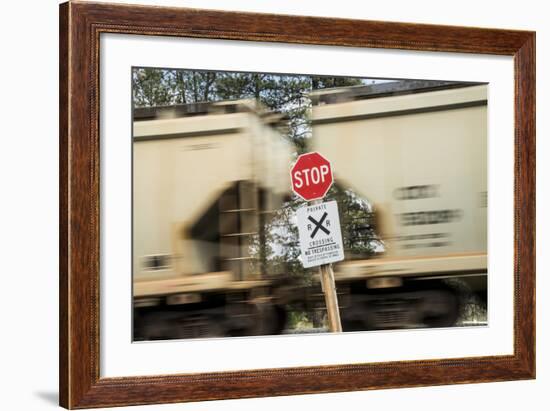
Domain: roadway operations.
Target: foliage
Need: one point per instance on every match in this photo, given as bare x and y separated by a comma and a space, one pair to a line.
357, 226
152, 87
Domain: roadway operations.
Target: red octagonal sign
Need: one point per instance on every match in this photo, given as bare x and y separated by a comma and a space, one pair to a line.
311, 176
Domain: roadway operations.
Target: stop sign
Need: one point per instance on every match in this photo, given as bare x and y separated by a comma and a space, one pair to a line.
311, 176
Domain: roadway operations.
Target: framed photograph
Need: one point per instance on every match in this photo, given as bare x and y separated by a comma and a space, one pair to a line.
259, 205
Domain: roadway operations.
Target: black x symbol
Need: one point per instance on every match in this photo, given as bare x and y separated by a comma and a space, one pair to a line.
318, 224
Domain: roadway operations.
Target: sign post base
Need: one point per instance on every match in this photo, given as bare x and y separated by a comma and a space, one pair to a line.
331, 298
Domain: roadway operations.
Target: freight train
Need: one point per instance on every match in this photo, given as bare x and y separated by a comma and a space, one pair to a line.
207, 177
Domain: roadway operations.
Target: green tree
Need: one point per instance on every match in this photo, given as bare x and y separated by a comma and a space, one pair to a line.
321, 82
152, 87
190, 86
285, 94
357, 225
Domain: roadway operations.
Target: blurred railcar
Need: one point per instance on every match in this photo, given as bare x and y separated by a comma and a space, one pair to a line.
417, 152
207, 176
204, 178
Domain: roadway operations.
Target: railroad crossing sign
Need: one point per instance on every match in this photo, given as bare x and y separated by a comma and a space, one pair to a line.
320, 236
319, 226
311, 176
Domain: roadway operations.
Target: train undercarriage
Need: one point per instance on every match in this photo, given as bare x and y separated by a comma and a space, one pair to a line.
415, 304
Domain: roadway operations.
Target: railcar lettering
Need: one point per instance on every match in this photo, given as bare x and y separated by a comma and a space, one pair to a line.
430, 217
416, 192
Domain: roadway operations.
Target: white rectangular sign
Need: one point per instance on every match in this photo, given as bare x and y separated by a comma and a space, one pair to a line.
320, 234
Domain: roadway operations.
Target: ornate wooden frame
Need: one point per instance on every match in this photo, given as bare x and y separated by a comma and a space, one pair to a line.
80, 27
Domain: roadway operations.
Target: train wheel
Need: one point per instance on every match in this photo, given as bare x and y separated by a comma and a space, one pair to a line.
357, 316
167, 325
261, 319
154, 326
441, 309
